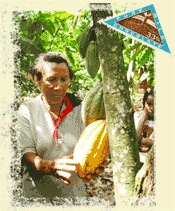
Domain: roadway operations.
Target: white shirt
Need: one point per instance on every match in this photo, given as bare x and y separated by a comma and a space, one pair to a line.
36, 136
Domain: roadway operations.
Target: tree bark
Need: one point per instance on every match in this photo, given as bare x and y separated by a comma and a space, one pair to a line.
119, 112
145, 180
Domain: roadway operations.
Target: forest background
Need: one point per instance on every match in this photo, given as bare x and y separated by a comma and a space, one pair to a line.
60, 31
38, 32
165, 67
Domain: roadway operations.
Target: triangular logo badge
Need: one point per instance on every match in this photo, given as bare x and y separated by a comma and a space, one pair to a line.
141, 24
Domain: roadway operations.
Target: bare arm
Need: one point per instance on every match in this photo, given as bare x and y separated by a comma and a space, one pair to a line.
149, 140
36, 163
140, 126
60, 167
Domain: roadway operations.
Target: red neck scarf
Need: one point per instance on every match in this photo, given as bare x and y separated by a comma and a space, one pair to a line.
65, 112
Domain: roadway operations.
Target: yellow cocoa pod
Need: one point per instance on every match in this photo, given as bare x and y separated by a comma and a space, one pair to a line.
92, 148
92, 59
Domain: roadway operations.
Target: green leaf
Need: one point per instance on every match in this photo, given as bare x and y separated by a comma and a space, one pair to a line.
49, 26
145, 56
120, 36
38, 45
25, 32
131, 48
75, 22
42, 17
63, 15
151, 75
44, 36
152, 83
64, 25
24, 25
34, 26
134, 56
69, 55
33, 50
142, 51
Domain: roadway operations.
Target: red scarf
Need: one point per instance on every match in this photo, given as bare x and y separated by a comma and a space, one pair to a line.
65, 112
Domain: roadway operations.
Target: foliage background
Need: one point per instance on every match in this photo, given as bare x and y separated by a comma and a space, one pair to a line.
60, 31
38, 32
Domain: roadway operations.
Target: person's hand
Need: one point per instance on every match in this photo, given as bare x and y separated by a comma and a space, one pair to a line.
149, 109
98, 171
147, 141
63, 168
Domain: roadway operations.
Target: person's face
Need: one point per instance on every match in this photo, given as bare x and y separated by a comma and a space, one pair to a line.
150, 104
54, 82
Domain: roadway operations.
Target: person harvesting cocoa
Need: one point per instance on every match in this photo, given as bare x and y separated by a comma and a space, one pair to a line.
50, 128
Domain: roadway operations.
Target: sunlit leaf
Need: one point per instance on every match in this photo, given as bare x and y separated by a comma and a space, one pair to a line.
134, 56
75, 22
145, 56
45, 36
69, 55
49, 26
63, 15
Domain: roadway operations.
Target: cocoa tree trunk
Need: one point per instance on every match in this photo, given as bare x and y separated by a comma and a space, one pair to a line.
119, 112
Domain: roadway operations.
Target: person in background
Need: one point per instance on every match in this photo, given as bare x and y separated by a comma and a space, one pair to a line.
145, 127
51, 125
